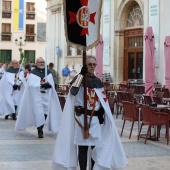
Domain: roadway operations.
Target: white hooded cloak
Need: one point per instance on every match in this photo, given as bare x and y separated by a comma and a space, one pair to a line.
108, 153
31, 112
8, 97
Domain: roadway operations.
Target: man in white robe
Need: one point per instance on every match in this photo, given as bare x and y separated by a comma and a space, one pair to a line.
107, 151
1, 70
40, 103
11, 85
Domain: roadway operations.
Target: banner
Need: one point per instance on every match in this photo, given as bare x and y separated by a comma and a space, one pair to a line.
82, 22
106, 32
18, 14
154, 23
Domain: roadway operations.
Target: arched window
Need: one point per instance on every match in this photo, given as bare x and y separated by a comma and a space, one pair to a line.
135, 17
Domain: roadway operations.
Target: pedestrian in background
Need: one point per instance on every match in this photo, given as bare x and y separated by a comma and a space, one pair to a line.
65, 74
54, 74
73, 73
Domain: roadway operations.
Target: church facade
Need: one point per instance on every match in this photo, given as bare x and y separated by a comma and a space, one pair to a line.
123, 25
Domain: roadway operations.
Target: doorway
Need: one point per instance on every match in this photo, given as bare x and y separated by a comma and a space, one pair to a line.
135, 65
133, 54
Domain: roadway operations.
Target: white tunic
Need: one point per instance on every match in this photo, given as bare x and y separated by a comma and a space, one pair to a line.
108, 153
35, 104
9, 97
95, 127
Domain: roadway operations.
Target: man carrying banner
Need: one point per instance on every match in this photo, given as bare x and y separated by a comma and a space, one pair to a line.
107, 151
87, 121
12, 87
40, 103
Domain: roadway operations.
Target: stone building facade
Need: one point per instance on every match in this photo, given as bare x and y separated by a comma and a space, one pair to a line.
22, 20
123, 25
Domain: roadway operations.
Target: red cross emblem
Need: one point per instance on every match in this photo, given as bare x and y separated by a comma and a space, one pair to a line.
82, 17
91, 96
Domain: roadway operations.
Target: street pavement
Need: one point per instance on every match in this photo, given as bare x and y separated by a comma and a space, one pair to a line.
23, 150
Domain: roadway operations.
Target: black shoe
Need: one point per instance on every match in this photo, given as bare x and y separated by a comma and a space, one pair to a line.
6, 117
14, 116
40, 132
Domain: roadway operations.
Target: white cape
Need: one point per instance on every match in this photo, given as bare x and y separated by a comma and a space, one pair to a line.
31, 111
6, 96
108, 154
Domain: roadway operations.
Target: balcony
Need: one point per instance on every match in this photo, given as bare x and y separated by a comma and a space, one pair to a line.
30, 37
30, 15
6, 13
5, 36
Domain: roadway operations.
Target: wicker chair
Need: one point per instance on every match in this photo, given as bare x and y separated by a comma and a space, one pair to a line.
153, 118
166, 93
131, 113
147, 99
120, 98
112, 102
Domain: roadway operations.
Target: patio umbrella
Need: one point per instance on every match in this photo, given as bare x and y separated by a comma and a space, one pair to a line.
149, 61
167, 61
99, 58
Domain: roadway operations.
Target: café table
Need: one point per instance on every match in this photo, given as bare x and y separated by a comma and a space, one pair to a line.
160, 106
166, 100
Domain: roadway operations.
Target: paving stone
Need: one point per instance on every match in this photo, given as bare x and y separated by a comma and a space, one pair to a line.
26, 152
139, 149
22, 150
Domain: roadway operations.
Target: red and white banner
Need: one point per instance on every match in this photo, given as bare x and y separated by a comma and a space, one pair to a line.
82, 22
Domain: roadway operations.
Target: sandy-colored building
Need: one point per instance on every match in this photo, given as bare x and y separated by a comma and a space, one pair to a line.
22, 20
123, 25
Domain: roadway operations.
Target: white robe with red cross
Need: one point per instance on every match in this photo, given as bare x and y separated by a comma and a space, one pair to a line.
108, 153
35, 104
9, 97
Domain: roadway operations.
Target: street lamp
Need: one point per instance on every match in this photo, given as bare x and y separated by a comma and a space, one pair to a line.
20, 43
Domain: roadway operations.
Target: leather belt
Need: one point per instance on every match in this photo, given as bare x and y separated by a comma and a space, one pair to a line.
79, 110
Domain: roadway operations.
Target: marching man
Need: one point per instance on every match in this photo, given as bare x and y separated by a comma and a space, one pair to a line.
40, 103
104, 141
12, 86
1, 70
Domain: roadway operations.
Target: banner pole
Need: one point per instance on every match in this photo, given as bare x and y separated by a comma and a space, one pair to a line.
86, 128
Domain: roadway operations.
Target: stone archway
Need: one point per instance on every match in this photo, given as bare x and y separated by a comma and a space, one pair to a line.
119, 37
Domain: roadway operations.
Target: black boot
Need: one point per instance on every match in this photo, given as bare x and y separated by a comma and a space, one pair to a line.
14, 116
6, 117
40, 131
